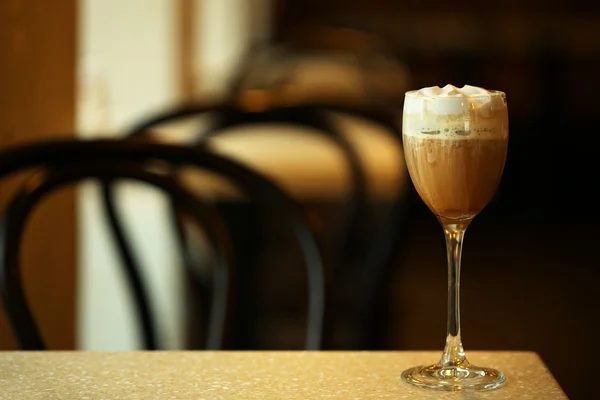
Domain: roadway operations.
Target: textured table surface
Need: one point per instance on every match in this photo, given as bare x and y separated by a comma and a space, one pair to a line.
252, 375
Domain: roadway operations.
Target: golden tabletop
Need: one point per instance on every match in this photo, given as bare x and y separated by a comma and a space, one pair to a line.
252, 375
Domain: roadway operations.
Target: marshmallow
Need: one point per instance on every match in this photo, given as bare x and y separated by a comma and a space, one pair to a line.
455, 113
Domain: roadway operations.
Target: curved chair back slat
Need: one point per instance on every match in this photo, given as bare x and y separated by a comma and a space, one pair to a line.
68, 152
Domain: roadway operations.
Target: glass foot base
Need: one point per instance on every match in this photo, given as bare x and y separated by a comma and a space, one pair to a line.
454, 378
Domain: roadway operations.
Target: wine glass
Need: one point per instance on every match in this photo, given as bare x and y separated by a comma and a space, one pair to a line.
455, 144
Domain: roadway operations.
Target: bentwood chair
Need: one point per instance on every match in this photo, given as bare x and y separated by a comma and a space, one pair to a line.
361, 254
65, 162
230, 114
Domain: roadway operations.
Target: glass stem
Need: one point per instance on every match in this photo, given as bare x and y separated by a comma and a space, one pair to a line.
454, 353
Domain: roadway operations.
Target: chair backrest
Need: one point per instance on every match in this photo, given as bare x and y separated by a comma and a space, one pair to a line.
68, 161
349, 217
230, 114
361, 254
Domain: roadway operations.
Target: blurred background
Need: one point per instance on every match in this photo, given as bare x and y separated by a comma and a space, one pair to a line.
530, 269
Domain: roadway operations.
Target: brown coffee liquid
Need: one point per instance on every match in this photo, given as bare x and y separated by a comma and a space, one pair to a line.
455, 178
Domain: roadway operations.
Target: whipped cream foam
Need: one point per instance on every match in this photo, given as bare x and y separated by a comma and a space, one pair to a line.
455, 113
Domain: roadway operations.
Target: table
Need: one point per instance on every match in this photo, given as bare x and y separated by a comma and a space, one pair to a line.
252, 375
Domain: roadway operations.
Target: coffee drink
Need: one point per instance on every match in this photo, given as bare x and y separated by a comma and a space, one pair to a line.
455, 144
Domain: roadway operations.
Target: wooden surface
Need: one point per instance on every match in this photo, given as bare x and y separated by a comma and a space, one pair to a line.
252, 375
37, 101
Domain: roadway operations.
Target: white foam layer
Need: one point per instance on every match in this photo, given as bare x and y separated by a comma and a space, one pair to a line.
458, 113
